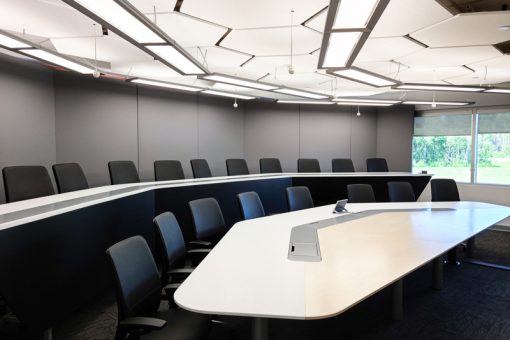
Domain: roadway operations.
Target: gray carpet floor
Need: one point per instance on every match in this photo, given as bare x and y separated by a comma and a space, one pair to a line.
474, 304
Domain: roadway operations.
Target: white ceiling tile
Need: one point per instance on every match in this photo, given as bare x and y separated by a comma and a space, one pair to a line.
450, 56
493, 71
300, 80
382, 49
148, 6
49, 19
318, 22
402, 17
188, 31
273, 41
468, 29
238, 14
302, 64
432, 75
215, 57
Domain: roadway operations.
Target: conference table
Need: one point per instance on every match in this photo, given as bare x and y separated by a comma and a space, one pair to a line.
314, 264
52, 249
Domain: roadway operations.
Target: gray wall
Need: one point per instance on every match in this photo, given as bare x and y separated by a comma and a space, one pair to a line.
27, 116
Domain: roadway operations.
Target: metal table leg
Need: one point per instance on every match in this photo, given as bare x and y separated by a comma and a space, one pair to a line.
437, 267
259, 329
398, 300
470, 247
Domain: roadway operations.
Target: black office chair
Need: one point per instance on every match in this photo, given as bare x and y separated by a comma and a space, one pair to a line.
377, 165
69, 177
401, 192
299, 198
360, 193
444, 190
237, 167
342, 165
138, 297
308, 165
122, 172
200, 168
270, 166
250, 204
208, 220
168, 170
26, 182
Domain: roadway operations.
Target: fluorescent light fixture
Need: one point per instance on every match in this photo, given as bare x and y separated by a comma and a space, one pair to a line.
300, 93
57, 60
426, 87
364, 77
172, 56
354, 13
120, 18
498, 91
362, 104
240, 82
339, 49
228, 94
414, 102
361, 100
12, 43
166, 85
303, 102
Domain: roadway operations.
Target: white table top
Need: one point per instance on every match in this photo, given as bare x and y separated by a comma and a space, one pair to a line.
17, 213
248, 272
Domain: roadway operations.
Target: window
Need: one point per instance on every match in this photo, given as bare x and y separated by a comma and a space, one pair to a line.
442, 145
493, 147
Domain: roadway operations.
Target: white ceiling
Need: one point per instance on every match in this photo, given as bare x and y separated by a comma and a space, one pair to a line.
414, 41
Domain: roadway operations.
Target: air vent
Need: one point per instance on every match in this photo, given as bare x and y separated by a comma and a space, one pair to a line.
471, 6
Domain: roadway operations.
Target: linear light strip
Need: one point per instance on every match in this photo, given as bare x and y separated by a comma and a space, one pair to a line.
171, 55
498, 91
57, 60
11, 42
340, 48
413, 102
365, 77
362, 104
239, 82
354, 13
228, 94
300, 93
425, 87
303, 102
165, 85
360, 100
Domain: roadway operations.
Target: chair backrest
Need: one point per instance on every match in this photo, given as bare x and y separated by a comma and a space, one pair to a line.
342, 165
270, 166
401, 192
299, 198
377, 165
26, 182
200, 168
207, 218
360, 193
69, 177
122, 172
308, 165
444, 189
237, 167
250, 204
168, 170
173, 246
136, 276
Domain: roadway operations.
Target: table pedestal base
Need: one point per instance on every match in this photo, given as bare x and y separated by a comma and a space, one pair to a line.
398, 300
259, 329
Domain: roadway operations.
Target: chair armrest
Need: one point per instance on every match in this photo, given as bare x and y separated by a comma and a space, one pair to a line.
144, 323
184, 271
199, 251
194, 244
197, 255
169, 293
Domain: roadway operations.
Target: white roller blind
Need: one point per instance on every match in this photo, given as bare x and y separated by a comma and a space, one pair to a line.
494, 122
443, 125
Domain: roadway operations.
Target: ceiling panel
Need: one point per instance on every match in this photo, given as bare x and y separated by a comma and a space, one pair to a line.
238, 14
301, 63
214, 57
301, 80
387, 68
188, 31
273, 41
382, 49
146, 69
50, 19
402, 17
148, 6
493, 71
468, 29
318, 22
432, 75
450, 56
110, 48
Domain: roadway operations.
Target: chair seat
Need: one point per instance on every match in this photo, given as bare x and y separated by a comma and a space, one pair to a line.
181, 325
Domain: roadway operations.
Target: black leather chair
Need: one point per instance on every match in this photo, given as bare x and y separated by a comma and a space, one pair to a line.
168, 170
270, 166
401, 192
138, 297
69, 177
342, 165
237, 167
208, 221
360, 193
377, 165
299, 198
444, 190
26, 182
250, 204
308, 165
200, 168
122, 172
